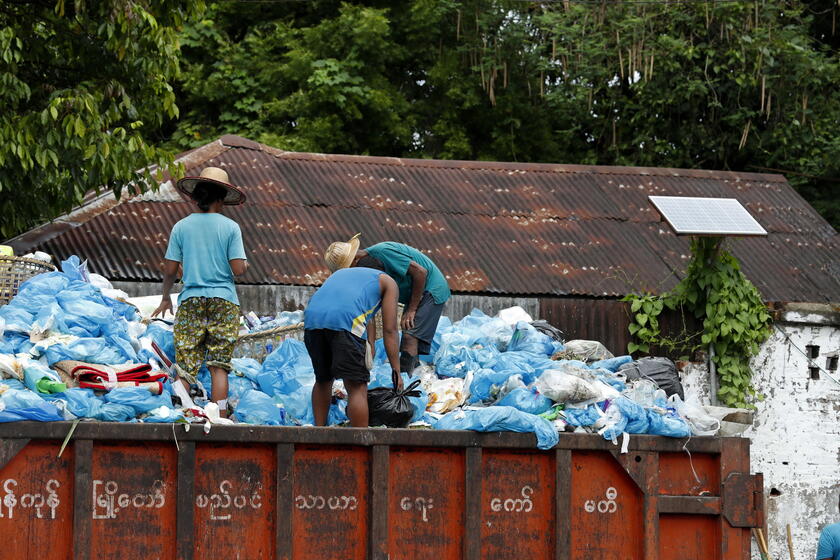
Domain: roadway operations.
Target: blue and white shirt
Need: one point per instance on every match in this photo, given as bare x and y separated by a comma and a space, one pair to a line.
345, 302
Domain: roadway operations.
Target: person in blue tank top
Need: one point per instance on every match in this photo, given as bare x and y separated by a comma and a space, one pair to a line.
208, 247
423, 292
339, 330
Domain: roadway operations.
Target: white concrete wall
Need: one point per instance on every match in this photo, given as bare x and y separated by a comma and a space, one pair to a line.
796, 433
795, 437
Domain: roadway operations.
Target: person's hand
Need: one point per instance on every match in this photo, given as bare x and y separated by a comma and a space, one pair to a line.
165, 305
407, 322
397, 378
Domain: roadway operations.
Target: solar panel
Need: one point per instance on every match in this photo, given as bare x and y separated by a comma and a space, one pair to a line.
706, 216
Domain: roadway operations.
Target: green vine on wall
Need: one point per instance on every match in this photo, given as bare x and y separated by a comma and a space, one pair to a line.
735, 320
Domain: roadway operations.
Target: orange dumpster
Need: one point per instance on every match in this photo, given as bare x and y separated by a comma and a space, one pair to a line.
157, 491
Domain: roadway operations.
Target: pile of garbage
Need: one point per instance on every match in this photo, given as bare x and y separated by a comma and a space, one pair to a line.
70, 348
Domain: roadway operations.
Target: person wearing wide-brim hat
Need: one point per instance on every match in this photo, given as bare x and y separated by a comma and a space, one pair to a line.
208, 247
423, 289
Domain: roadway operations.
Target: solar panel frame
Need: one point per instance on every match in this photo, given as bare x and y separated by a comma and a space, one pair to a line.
716, 217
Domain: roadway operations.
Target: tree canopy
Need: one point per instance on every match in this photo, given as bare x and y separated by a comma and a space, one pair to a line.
84, 86
718, 85
92, 90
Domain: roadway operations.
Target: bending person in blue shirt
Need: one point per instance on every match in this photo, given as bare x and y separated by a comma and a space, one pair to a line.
423, 290
337, 321
829, 545
208, 246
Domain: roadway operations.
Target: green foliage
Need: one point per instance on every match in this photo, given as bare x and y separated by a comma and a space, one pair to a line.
88, 89
83, 86
738, 86
735, 320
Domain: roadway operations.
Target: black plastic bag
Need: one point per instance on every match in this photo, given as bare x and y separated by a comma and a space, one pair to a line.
391, 407
661, 371
549, 330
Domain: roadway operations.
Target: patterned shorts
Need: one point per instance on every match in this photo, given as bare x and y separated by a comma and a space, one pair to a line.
205, 329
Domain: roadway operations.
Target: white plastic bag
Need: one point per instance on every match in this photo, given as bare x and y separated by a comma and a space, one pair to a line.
588, 350
11, 367
445, 394
513, 315
698, 420
513, 382
563, 387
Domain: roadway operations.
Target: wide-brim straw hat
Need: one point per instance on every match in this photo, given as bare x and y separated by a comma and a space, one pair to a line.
215, 176
341, 253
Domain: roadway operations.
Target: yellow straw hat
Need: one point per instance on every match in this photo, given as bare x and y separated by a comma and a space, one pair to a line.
341, 254
217, 176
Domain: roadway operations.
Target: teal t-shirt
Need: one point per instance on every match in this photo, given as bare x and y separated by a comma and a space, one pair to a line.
397, 257
204, 243
829, 546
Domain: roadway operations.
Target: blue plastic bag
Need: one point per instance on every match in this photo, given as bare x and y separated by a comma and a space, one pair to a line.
22, 404
286, 369
512, 363
255, 407
248, 367
486, 384
74, 269
238, 386
121, 309
44, 412
76, 400
163, 336
91, 350
84, 316
624, 415
526, 399
337, 413
500, 419
669, 424
138, 398
13, 384
298, 405
582, 416
83, 403
17, 342
21, 398
17, 318
42, 288
456, 361
611, 379
380, 376
526, 338
612, 364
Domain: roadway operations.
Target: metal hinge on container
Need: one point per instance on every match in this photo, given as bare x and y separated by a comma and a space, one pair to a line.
743, 499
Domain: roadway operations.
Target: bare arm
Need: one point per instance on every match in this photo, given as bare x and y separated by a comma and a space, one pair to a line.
238, 266
418, 283
390, 293
170, 273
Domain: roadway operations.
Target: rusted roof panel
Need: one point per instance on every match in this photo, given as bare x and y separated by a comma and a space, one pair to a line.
491, 227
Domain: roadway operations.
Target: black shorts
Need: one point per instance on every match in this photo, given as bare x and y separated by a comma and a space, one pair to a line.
425, 323
336, 355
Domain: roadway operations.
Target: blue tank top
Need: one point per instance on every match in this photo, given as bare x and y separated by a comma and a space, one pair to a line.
345, 302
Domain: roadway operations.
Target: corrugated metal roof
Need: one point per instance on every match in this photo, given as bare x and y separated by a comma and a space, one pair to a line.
491, 227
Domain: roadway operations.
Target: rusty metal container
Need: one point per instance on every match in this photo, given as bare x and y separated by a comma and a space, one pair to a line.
151, 491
